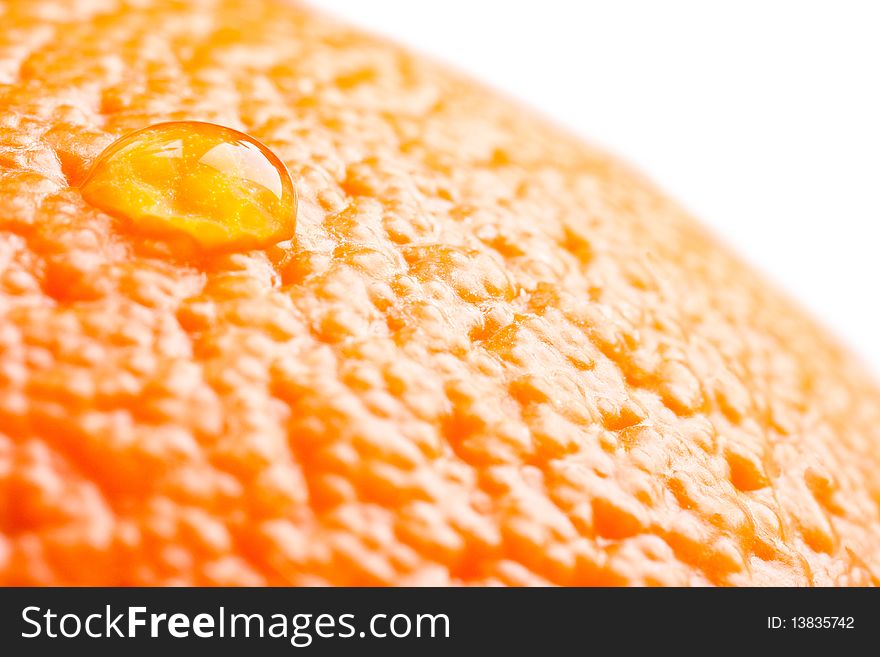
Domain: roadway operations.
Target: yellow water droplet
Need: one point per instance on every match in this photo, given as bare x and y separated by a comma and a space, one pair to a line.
217, 188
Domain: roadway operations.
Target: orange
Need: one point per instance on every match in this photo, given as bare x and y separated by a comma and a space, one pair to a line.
490, 355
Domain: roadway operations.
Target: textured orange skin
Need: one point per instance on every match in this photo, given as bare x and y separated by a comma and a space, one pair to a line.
491, 355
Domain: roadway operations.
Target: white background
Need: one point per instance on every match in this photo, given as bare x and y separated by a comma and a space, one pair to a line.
761, 117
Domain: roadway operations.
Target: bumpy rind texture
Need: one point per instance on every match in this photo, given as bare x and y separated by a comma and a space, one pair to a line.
491, 355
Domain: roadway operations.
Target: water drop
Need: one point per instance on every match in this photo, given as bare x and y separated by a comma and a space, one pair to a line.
212, 187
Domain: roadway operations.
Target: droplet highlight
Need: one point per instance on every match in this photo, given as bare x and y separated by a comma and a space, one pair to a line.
206, 185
